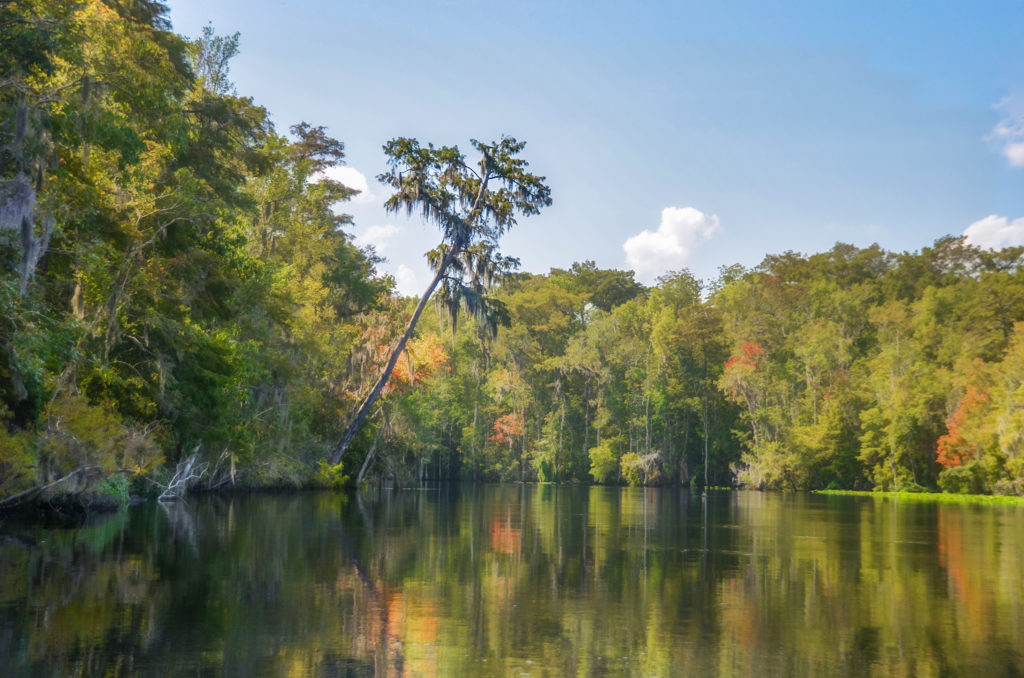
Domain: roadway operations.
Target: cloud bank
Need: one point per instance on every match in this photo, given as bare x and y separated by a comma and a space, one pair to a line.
681, 233
995, 232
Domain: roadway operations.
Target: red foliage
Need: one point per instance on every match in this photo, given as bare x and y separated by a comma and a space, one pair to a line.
750, 354
507, 428
953, 448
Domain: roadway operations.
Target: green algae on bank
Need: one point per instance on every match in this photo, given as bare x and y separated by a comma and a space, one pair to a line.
937, 497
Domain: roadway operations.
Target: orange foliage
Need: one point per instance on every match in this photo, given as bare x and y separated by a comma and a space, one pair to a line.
750, 355
507, 428
953, 448
422, 358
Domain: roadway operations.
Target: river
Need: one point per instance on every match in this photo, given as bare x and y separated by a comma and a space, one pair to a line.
519, 580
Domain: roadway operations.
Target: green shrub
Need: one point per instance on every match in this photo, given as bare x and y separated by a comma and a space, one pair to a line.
330, 477
604, 462
80, 434
966, 479
114, 491
545, 472
632, 470
17, 462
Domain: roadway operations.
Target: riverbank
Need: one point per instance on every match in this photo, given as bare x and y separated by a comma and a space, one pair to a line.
112, 497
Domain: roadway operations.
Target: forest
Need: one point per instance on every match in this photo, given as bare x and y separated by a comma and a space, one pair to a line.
178, 292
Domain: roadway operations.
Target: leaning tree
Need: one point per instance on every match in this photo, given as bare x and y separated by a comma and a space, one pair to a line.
473, 208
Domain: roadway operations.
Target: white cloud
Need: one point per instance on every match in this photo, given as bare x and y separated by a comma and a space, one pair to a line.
681, 232
406, 282
995, 232
352, 178
1009, 133
379, 236
1015, 153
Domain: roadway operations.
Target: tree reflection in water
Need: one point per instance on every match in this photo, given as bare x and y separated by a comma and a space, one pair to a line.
501, 580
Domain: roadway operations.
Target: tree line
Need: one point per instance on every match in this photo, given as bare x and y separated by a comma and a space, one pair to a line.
854, 368
177, 285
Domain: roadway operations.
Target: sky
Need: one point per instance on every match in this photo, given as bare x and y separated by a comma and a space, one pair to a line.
672, 134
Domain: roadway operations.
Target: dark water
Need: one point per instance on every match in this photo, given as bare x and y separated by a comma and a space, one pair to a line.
510, 581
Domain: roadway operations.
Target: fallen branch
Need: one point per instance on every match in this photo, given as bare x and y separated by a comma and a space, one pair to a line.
188, 470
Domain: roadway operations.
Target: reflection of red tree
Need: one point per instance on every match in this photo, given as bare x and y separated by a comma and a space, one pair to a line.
400, 632
395, 628
505, 538
953, 556
740, 614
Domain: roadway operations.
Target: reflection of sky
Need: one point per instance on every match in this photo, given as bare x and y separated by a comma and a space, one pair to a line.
797, 125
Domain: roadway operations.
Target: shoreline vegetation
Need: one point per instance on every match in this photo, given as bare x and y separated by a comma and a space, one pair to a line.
926, 497
69, 510
183, 308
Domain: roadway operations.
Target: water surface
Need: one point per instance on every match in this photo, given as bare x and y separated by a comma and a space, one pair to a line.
520, 580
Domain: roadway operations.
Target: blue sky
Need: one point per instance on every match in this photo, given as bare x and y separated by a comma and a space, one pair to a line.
672, 134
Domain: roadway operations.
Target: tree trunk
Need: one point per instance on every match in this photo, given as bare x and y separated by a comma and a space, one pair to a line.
684, 470
561, 425
369, 457
586, 417
364, 409
707, 483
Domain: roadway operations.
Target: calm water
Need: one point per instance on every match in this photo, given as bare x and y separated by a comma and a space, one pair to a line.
510, 581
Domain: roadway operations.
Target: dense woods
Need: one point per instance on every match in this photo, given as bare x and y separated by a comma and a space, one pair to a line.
176, 282
178, 285
854, 368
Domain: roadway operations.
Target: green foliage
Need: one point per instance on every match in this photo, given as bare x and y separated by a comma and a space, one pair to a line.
604, 460
17, 462
966, 479
632, 469
330, 477
79, 435
114, 490
188, 284
472, 208
546, 450
772, 466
